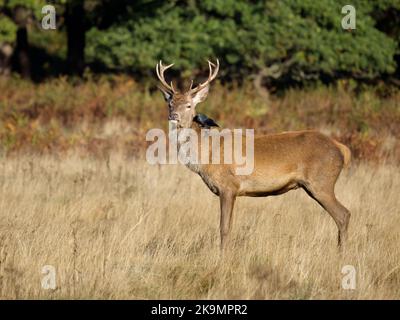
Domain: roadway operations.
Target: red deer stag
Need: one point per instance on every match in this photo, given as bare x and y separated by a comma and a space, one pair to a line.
282, 162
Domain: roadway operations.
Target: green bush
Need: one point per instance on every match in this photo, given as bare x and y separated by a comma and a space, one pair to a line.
300, 39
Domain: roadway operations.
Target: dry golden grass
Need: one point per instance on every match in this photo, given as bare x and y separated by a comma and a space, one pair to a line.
125, 229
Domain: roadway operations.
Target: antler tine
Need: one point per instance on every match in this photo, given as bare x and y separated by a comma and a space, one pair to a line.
211, 76
210, 65
191, 85
160, 69
172, 87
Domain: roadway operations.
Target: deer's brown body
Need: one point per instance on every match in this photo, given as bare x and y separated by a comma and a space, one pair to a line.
282, 162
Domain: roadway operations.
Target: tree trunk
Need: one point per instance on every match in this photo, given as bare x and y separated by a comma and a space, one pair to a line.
21, 53
76, 28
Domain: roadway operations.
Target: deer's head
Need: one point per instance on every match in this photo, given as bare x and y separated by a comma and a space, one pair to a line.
182, 105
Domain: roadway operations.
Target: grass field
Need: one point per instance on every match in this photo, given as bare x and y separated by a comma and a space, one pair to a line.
120, 228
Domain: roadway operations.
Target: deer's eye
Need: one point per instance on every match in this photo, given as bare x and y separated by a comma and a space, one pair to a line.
188, 106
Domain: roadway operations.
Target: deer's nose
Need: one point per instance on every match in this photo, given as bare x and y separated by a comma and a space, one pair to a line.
173, 116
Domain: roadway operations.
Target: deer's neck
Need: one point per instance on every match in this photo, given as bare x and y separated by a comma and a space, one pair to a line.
189, 145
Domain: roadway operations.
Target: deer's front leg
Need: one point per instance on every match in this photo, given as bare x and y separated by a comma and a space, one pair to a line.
227, 201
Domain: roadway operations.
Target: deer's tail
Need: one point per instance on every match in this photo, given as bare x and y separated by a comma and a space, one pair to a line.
345, 152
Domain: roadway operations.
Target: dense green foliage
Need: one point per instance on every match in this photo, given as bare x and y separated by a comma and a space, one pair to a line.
8, 30
302, 39
285, 40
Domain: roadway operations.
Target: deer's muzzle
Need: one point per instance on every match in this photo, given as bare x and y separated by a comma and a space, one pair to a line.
173, 116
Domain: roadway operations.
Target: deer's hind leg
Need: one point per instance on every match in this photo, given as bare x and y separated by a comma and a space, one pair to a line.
325, 196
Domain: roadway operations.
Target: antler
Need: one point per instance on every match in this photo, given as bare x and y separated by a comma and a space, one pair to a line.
160, 69
211, 76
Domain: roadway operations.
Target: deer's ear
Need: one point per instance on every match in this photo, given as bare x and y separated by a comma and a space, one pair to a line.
201, 95
167, 95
